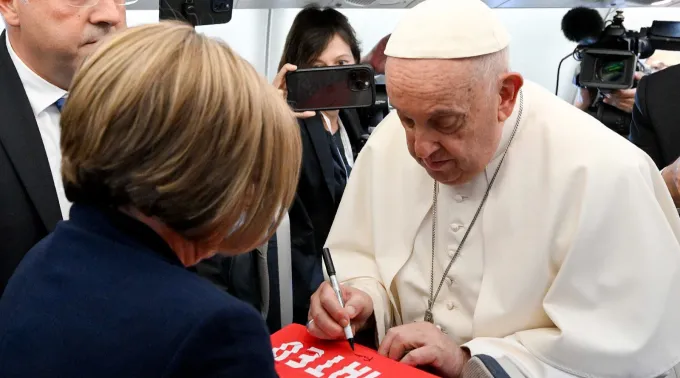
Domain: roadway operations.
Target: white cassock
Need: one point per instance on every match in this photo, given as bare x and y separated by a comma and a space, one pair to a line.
572, 268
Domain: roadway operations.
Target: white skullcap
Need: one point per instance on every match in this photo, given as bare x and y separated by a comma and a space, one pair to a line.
447, 29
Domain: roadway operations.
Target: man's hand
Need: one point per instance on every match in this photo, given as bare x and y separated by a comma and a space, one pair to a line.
671, 175
327, 318
376, 57
423, 344
623, 99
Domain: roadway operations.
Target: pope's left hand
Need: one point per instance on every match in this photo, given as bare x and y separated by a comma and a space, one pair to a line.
423, 344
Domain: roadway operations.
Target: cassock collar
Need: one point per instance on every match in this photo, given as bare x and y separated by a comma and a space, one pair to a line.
508, 127
41, 94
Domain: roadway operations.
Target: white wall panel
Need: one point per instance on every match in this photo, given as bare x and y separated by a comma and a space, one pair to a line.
537, 40
536, 49
246, 33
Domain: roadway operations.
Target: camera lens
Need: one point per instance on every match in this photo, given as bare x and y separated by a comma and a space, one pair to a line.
359, 80
610, 70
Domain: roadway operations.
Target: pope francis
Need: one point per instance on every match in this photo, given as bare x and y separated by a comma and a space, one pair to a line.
487, 216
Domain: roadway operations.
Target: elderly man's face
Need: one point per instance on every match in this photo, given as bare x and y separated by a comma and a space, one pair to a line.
60, 32
452, 121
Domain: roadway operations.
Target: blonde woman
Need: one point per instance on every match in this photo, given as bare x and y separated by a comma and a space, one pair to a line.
173, 148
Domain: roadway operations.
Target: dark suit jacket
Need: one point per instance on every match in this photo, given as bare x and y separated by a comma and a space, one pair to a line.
29, 207
656, 116
316, 202
104, 296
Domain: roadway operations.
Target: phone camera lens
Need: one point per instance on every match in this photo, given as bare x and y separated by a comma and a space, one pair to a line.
361, 85
359, 80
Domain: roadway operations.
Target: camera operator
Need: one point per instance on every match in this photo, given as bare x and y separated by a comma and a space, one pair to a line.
611, 67
584, 26
624, 99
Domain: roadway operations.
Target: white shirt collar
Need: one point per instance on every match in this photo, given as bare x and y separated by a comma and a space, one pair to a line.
41, 94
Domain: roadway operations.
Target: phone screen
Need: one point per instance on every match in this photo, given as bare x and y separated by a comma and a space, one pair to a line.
325, 88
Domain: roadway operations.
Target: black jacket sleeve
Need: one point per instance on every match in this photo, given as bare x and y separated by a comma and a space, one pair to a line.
642, 131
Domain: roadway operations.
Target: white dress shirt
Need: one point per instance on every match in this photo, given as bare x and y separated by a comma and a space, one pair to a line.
346, 144
42, 96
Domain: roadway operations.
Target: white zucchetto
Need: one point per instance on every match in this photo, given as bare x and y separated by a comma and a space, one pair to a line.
447, 29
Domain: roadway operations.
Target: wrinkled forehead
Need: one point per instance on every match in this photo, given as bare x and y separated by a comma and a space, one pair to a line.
419, 85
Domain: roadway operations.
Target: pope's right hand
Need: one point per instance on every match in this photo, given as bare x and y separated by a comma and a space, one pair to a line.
327, 318
280, 84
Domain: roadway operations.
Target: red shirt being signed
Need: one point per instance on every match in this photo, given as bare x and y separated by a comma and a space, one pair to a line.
298, 354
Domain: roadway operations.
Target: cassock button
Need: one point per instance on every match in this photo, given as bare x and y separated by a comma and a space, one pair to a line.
458, 198
451, 252
449, 281
450, 306
456, 227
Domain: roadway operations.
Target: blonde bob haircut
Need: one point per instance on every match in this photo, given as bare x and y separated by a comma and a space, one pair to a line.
178, 126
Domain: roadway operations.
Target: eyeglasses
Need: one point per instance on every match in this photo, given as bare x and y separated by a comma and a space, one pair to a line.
91, 3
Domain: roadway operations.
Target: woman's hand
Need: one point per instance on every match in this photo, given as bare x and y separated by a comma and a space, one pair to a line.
280, 84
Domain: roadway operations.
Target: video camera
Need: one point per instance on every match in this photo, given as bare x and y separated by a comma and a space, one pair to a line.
610, 62
610, 57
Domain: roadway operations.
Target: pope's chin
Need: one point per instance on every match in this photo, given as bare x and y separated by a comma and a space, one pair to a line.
445, 172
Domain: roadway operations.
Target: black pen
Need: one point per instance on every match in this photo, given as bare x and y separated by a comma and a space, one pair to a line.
330, 269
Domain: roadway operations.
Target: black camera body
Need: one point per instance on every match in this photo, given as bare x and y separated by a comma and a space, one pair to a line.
614, 118
610, 61
196, 12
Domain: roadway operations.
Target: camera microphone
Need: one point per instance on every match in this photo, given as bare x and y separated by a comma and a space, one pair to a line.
582, 25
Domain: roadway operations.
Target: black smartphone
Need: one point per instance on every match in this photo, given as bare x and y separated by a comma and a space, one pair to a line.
328, 88
196, 12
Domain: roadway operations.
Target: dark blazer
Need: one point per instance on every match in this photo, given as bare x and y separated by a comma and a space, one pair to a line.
656, 116
29, 207
104, 296
315, 204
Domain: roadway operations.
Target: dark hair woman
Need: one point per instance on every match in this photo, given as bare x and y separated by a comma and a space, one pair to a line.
331, 140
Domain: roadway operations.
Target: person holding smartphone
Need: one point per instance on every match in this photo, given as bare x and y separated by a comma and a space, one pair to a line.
331, 140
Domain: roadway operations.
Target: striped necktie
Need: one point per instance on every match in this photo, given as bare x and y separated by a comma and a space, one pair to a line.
60, 103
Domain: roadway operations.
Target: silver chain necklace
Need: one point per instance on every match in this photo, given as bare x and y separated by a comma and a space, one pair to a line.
433, 296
